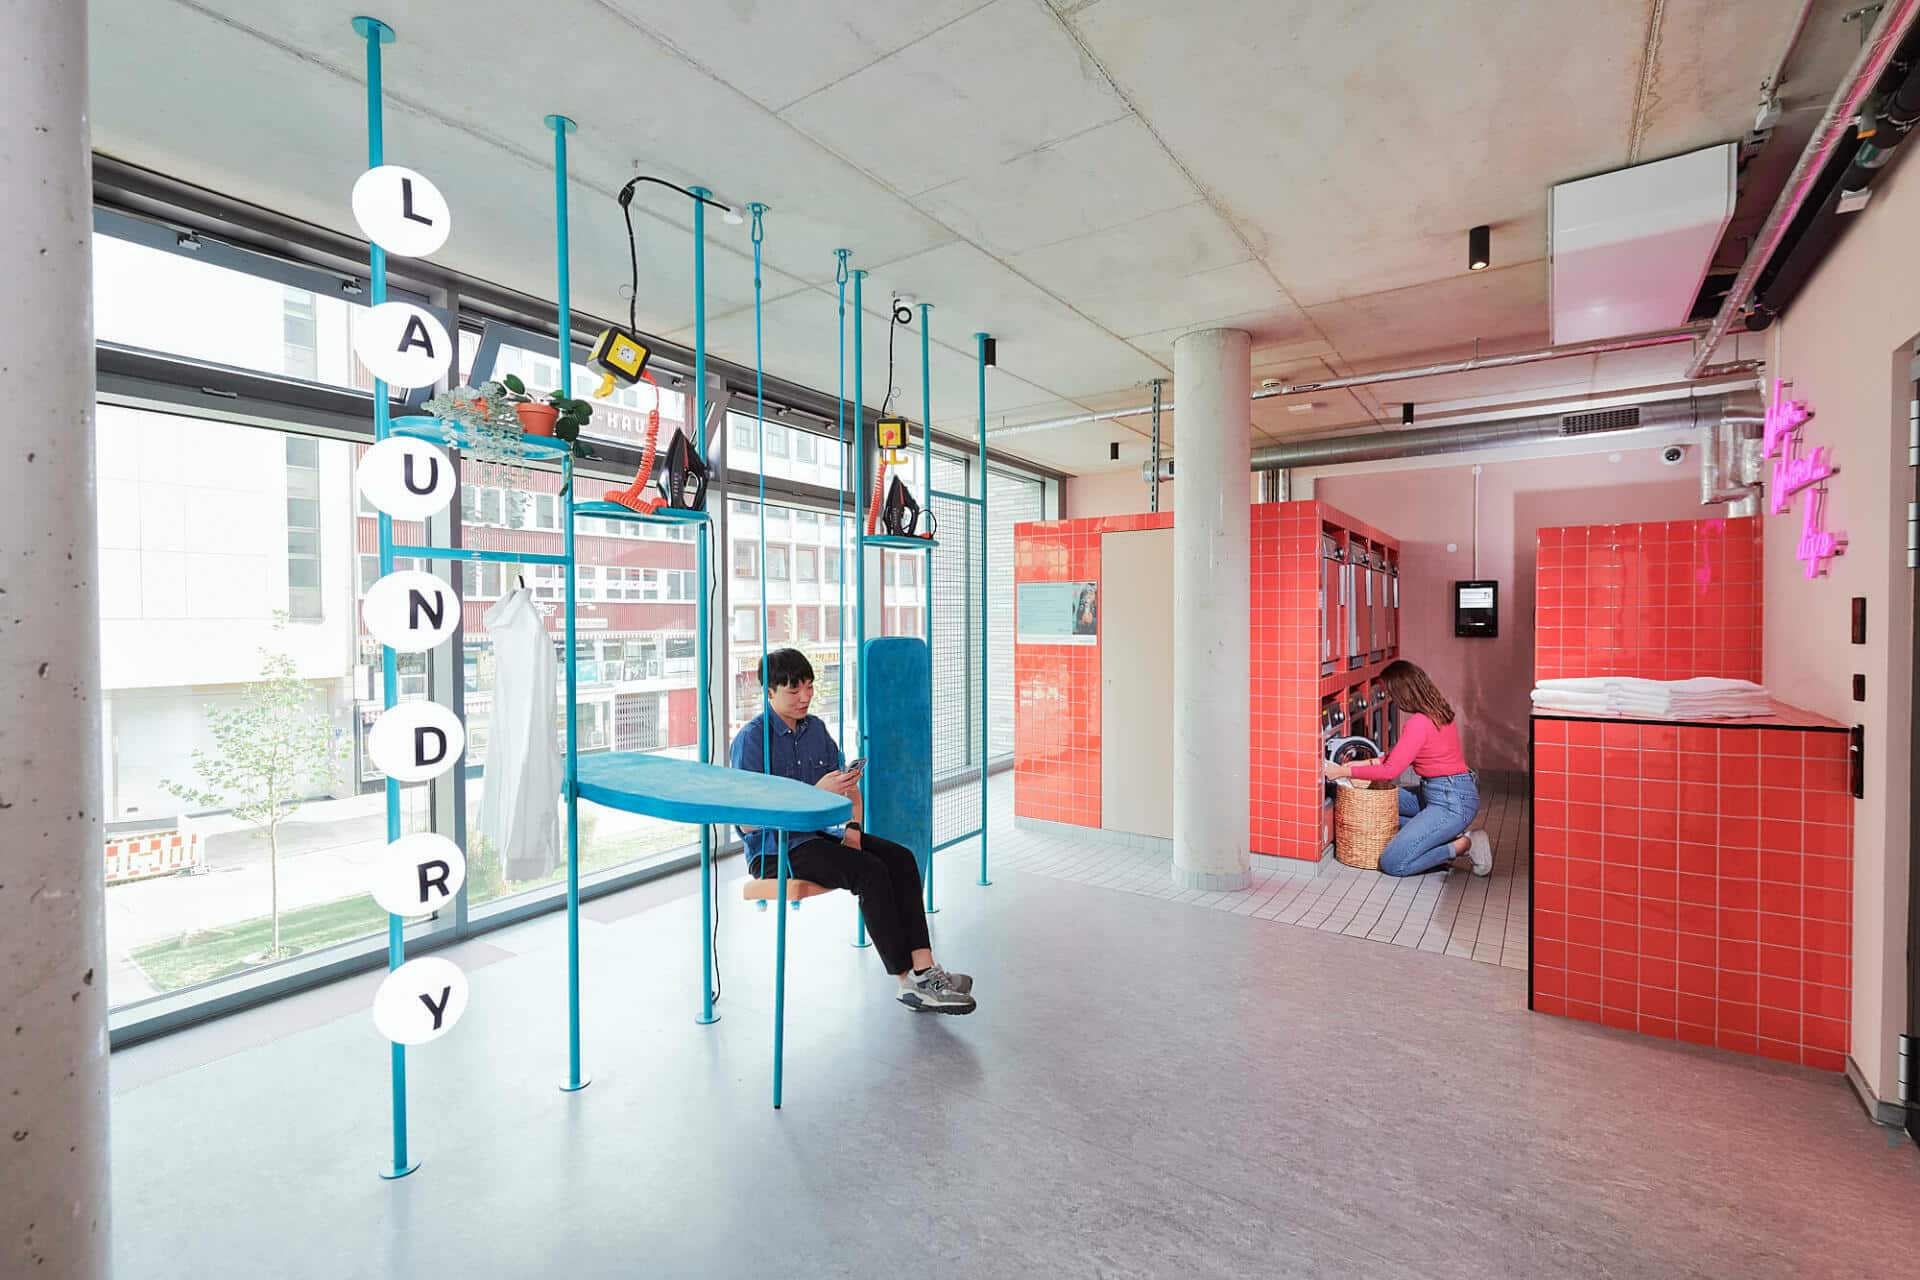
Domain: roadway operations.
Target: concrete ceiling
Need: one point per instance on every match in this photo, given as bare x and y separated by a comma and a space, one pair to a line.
1086, 180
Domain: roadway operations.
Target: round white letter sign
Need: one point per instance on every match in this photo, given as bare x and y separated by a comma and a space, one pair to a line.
411, 610
404, 345
418, 874
406, 478
416, 741
402, 212
420, 1001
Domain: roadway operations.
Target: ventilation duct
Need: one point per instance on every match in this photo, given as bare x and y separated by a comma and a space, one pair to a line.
1688, 412
1730, 464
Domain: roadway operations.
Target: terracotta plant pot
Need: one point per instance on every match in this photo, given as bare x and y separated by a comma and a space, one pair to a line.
537, 418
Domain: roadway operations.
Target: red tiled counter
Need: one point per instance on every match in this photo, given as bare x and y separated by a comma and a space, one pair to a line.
1694, 881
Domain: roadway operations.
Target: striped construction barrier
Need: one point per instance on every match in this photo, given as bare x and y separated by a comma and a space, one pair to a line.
144, 856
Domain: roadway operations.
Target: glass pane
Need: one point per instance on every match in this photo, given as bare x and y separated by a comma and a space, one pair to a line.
618, 418
796, 613
819, 463
172, 303
629, 697
237, 691
1011, 500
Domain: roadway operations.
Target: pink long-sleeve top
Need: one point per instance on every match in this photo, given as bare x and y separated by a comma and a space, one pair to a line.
1432, 749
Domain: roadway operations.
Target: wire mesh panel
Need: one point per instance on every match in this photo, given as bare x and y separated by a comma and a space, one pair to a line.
956, 643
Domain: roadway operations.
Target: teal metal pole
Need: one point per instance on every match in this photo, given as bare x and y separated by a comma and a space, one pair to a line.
758, 211
926, 564
858, 546
840, 498
576, 1081
377, 33
780, 978
980, 359
705, 649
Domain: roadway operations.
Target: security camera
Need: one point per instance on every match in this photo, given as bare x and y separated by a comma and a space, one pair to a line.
1674, 454
903, 309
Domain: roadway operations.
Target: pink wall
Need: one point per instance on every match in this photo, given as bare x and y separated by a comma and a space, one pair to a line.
1109, 493
1489, 680
1846, 344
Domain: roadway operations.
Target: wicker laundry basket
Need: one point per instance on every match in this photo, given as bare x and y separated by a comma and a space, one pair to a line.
1365, 816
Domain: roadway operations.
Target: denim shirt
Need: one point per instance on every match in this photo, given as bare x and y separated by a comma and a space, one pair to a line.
805, 753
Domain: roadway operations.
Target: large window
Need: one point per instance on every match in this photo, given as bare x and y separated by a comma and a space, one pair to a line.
233, 559
237, 692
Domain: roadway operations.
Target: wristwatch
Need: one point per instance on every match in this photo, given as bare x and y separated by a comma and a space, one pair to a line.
851, 826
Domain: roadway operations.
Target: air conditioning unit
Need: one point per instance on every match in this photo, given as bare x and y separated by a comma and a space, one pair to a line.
1628, 250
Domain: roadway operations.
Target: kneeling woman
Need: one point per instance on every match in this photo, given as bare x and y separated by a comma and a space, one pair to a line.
1433, 818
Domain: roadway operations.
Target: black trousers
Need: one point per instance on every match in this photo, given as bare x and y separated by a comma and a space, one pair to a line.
882, 874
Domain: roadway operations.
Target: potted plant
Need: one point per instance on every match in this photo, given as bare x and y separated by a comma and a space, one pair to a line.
554, 414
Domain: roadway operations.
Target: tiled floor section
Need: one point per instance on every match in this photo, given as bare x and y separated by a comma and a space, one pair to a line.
1457, 914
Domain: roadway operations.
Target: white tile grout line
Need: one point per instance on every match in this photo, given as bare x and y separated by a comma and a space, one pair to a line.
1462, 916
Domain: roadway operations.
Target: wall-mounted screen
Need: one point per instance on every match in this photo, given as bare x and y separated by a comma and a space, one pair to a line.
1476, 608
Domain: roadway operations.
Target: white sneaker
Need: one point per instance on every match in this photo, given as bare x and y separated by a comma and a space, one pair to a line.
931, 992
1481, 850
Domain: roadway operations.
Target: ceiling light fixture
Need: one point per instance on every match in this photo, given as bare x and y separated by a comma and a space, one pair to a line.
1113, 451
1479, 247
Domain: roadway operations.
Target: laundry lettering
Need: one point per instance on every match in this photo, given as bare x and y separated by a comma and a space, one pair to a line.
438, 1011
1798, 470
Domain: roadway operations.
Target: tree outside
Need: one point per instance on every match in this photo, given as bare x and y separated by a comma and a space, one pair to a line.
271, 753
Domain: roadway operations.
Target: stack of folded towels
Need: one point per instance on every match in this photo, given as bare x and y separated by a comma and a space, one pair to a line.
1703, 698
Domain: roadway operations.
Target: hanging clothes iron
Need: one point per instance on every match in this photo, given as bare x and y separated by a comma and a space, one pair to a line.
684, 475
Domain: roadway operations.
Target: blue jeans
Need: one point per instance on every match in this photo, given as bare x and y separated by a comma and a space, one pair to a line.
1431, 819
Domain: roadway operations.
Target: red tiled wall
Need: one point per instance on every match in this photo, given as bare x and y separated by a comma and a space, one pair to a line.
1696, 884
1057, 687
1661, 601
1056, 722
1285, 671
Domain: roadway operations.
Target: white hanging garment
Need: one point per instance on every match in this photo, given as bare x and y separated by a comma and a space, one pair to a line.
520, 791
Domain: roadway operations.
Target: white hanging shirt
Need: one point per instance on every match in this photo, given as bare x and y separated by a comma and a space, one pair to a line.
520, 793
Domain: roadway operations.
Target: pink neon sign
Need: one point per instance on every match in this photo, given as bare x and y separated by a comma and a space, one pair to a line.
1796, 471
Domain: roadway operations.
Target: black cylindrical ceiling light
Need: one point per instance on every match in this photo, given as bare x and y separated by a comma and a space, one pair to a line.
1479, 247
1113, 451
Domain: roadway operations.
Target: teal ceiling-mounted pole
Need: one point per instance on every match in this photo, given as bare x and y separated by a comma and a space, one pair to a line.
758, 212
700, 197
926, 567
980, 341
377, 33
840, 498
857, 546
563, 265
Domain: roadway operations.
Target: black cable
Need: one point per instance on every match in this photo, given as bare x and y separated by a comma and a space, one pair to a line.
893, 325
633, 255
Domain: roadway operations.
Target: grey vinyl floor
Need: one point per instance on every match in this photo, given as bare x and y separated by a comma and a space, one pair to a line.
1147, 1090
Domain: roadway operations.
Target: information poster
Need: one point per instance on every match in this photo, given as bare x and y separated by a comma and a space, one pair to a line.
1058, 613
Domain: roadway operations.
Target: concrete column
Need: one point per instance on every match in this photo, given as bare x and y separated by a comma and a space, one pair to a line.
1212, 590
53, 996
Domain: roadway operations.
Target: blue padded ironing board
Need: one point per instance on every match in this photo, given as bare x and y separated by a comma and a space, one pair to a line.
897, 694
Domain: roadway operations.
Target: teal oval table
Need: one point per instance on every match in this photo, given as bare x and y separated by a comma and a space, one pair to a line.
702, 794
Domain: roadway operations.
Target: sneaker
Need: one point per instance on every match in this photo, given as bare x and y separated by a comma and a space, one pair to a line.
1481, 850
961, 982
931, 992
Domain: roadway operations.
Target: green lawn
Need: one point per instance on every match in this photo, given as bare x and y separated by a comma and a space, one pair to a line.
201, 957
194, 958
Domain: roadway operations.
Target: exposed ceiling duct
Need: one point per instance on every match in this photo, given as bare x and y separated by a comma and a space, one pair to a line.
1468, 365
1730, 462
1689, 412
1876, 55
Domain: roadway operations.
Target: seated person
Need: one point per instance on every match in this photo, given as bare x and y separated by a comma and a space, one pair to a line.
883, 875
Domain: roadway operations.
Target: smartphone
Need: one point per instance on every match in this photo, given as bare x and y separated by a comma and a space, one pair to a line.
855, 766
